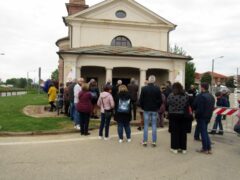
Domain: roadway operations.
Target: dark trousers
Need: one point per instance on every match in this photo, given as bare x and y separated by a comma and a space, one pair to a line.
52, 105
206, 142
178, 133
84, 122
134, 109
66, 107
105, 122
126, 126
218, 122
197, 132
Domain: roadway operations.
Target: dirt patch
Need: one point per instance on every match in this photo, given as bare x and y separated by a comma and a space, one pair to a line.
38, 111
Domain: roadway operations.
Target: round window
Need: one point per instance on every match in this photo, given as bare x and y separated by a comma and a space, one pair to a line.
121, 14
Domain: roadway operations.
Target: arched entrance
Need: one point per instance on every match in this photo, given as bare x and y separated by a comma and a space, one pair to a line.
162, 75
94, 72
125, 74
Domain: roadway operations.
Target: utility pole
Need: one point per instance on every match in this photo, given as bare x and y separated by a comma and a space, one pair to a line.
27, 79
235, 90
39, 79
212, 83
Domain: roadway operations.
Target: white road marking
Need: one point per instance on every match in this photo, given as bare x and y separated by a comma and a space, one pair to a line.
68, 140
74, 139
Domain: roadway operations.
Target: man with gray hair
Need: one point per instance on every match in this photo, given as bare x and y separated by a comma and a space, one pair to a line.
115, 89
150, 102
77, 89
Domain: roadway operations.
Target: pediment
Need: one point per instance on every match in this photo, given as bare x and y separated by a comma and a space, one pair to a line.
135, 12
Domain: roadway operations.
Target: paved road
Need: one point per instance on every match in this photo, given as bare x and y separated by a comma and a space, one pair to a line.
74, 157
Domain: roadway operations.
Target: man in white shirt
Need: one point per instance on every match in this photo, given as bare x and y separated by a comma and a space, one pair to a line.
77, 89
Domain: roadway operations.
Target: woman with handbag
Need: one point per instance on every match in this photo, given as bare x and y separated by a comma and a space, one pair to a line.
177, 103
106, 103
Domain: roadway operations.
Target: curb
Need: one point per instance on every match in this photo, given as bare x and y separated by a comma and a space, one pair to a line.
57, 132
37, 133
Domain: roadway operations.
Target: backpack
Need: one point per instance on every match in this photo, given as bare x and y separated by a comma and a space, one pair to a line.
123, 106
94, 94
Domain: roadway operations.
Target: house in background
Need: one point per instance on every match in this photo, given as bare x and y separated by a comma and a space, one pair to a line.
117, 39
217, 78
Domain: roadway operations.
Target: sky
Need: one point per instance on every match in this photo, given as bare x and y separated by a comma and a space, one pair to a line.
206, 30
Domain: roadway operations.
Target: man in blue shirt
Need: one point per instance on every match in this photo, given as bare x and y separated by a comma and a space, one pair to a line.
204, 107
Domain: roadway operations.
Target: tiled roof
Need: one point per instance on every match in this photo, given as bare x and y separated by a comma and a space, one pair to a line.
217, 75
124, 51
197, 75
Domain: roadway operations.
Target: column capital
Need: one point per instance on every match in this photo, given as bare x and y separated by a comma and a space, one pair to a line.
108, 68
143, 69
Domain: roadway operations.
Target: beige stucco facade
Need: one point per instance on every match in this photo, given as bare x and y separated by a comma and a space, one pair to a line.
98, 25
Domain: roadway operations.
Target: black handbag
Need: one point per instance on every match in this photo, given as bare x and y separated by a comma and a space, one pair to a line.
108, 113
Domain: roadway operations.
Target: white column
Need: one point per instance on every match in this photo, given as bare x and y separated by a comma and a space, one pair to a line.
108, 74
171, 75
78, 72
143, 73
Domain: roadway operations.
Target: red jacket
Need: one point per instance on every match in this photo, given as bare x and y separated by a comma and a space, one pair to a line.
84, 104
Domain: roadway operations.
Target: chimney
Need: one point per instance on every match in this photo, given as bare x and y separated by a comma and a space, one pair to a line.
75, 6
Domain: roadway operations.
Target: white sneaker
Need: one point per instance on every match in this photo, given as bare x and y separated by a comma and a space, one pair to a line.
174, 151
106, 138
120, 140
78, 127
129, 140
100, 137
184, 151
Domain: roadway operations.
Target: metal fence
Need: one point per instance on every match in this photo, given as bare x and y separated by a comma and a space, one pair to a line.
12, 93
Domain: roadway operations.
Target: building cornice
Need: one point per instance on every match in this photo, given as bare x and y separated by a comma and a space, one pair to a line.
69, 20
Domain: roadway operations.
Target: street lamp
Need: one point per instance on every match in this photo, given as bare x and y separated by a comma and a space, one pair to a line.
213, 60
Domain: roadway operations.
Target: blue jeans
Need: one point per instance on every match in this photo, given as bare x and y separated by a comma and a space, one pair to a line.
197, 132
150, 115
76, 115
71, 110
105, 121
126, 126
203, 127
218, 122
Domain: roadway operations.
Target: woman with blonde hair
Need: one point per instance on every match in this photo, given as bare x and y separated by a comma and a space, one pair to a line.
123, 114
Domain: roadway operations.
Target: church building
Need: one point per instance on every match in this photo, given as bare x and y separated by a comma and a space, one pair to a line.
117, 39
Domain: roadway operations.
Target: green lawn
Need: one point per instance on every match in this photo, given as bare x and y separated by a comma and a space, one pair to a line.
13, 120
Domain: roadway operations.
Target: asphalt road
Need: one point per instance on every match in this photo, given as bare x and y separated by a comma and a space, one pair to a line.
75, 157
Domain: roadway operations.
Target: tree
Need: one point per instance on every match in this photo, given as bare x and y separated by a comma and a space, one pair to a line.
189, 67
178, 50
12, 81
22, 83
230, 82
206, 77
189, 74
19, 82
54, 75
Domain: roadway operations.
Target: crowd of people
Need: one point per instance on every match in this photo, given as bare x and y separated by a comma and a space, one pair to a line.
82, 101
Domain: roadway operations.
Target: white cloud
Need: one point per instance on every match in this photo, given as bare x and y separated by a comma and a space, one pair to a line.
29, 29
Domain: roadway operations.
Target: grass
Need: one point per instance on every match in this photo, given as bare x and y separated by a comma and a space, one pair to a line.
12, 119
